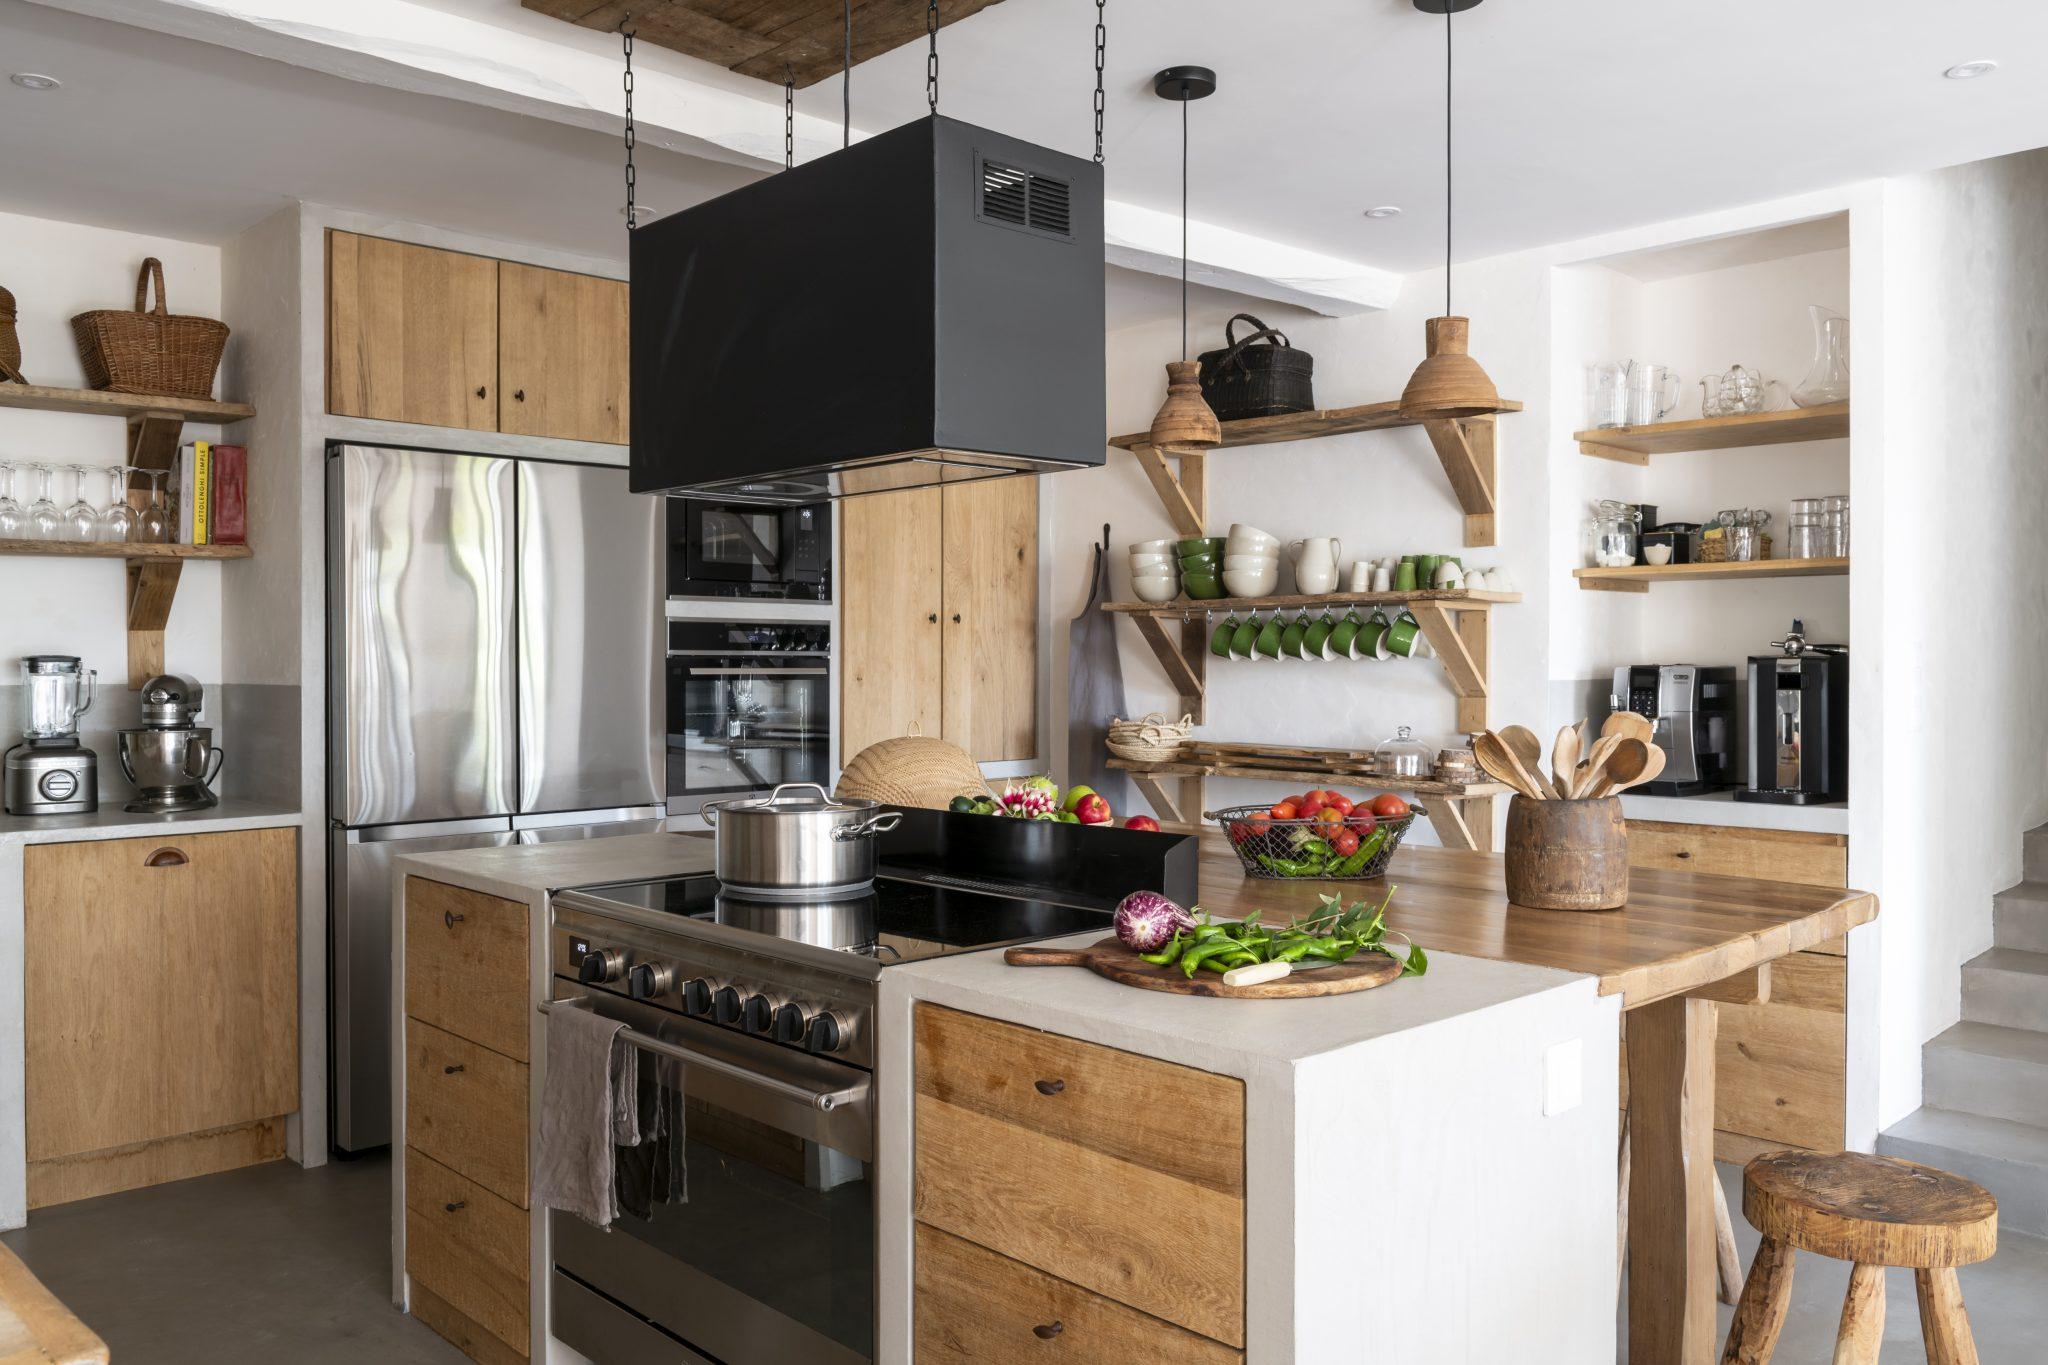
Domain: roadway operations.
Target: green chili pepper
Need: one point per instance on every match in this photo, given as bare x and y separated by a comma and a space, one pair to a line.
1195, 955
1165, 956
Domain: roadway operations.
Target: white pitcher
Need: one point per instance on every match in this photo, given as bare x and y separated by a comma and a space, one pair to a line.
1315, 564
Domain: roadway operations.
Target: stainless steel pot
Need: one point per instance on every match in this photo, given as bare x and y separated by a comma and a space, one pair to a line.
797, 841
156, 760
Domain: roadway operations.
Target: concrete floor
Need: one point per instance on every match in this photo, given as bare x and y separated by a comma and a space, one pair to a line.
268, 1263
274, 1263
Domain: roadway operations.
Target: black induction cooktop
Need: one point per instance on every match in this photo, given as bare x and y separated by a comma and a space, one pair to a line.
899, 920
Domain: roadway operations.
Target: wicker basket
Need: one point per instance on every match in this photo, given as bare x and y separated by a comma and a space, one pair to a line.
151, 350
913, 771
1247, 380
1270, 848
1155, 739
10, 342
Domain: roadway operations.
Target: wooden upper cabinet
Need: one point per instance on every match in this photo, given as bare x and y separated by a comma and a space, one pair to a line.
890, 593
562, 344
412, 333
990, 573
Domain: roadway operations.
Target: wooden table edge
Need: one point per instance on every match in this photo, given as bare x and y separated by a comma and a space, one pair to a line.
1637, 988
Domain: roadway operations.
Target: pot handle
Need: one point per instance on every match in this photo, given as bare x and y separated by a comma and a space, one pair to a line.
127, 768
776, 795
880, 823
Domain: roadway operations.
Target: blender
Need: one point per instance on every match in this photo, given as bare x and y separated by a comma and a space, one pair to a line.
50, 772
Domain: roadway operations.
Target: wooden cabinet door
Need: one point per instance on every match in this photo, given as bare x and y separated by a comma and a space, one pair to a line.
990, 572
891, 679
412, 333
562, 342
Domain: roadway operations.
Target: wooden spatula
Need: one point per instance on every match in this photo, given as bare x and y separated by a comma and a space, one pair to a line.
1564, 760
1652, 770
1501, 764
1628, 724
1589, 771
1528, 751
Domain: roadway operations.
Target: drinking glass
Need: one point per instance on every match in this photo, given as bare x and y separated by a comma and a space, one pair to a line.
117, 520
81, 518
153, 523
13, 520
45, 522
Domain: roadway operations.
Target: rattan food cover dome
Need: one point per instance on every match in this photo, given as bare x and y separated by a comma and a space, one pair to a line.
912, 771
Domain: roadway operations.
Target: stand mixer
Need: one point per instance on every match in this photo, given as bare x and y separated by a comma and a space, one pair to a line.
171, 761
50, 772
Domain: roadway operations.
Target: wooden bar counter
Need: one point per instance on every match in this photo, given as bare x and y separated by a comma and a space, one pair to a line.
1682, 941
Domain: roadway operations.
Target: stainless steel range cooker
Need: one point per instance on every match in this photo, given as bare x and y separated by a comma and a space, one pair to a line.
769, 1010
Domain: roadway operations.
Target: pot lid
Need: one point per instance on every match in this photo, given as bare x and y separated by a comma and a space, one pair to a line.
800, 798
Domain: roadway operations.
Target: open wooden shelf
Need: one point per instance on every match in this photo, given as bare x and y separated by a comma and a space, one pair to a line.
1465, 446
1639, 577
95, 549
1184, 608
97, 402
1635, 445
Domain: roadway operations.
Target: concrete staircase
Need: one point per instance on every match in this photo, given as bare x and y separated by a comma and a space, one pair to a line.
1985, 1080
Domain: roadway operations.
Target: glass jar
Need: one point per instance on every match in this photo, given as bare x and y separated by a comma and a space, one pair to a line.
1835, 512
1401, 756
1616, 526
1807, 535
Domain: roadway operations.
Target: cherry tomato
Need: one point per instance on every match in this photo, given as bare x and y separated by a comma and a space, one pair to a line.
1310, 806
1388, 806
1329, 815
1284, 810
1340, 803
1345, 842
1362, 823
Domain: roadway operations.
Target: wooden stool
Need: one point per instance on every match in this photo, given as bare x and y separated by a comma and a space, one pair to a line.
1875, 1212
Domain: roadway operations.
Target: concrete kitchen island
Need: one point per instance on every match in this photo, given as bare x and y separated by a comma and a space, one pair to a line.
1428, 1167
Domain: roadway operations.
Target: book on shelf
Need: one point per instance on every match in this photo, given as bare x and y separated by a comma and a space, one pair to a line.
191, 491
228, 493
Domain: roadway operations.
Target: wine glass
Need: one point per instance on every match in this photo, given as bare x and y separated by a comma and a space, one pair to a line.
81, 518
153, 523
13, 520
117, 522
45, 522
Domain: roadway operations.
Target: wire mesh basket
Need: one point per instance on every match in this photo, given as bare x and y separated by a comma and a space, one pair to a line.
1354, 850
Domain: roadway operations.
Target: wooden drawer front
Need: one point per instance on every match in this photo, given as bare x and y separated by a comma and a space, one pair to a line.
1780, 1069
466, 966
1775, 855
1065, 1181
465, 1106
973, 1305
467, 1247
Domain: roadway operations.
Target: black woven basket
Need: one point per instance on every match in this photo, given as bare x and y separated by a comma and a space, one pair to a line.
1246, 379
1269, 848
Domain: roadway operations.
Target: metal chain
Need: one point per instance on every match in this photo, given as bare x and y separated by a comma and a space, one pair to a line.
632, 175
788, 118
931, 59
846, 77
1101, 45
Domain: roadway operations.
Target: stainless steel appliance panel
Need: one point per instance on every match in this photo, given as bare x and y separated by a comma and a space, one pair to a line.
603, 1331
420, 627
590, 650
360, 936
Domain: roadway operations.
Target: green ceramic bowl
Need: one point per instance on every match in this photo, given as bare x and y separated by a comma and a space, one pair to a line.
1204, 562
1197, 544
1202, 586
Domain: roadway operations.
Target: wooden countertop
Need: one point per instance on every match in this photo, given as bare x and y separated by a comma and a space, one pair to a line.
1679, 931
36, 1329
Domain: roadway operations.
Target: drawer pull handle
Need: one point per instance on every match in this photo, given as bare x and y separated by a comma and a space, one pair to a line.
456, 1205
1046, 1331
1685, 853
165, 857
451, 1070
1049, 1087
450, 918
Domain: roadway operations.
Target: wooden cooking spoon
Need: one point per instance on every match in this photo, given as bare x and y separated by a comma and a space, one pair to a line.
1528, 751
1628, 724
1589, 771
1652, 770
1564, 760
1625, 766
1501, 764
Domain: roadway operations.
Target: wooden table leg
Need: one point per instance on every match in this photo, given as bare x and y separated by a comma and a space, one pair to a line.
1862, 1329
1944, 1326
1671, 1251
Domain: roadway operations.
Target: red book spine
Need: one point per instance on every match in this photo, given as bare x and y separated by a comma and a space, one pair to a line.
230, 495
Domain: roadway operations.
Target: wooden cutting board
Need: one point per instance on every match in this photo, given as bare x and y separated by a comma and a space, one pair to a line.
1112, 959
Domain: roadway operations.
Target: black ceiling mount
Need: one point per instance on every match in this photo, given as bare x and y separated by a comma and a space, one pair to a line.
1446, 6
1182, 83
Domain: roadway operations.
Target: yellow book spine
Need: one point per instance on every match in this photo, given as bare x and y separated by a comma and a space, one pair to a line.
202, 490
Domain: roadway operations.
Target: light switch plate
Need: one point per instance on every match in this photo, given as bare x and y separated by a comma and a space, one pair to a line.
1564, 1066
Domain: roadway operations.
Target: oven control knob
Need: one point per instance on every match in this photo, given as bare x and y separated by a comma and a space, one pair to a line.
757, 1014
601, 966
789, 1023
650, 979
725, 1005
696, 997
826, 1032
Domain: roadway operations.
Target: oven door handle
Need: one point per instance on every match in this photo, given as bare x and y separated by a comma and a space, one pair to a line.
824, 1101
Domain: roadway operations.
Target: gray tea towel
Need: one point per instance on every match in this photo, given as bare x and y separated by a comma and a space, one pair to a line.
589, 1104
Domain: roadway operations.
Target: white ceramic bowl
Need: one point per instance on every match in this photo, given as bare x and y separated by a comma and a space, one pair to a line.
1255, 562
1156, 587
1152, 547
1252, 582
1150, 563
1249, 540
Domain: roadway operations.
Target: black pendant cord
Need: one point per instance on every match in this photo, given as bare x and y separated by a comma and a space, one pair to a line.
1447, 161
1101, 48
788, 118
931, 58
632, 175
846, 81
1184, 227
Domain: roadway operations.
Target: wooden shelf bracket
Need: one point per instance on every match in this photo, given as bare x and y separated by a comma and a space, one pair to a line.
152, 586
1186, 661
1184, 505
1467, 449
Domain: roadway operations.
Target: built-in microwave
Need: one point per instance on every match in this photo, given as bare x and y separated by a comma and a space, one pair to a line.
749, 708
732, 549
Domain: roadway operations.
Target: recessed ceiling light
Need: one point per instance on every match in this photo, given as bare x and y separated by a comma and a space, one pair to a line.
1970, 71
34, 80
1384, 211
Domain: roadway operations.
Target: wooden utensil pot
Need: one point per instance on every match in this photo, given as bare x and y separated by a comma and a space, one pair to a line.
1567, 855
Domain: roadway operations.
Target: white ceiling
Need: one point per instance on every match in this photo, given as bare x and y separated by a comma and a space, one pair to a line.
1574, 117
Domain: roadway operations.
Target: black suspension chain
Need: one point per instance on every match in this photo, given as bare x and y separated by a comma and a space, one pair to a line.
632, 174
931, 57
788, 118
846, 80
1101, 47
1447, 161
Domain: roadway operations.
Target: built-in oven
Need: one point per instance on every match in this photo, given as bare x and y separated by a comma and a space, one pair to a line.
731, 549
749, 707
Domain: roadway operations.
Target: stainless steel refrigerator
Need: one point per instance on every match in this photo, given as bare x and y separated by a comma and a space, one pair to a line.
493, 667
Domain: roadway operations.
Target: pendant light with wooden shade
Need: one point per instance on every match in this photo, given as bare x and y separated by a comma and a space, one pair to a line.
1185, 418
1449, 383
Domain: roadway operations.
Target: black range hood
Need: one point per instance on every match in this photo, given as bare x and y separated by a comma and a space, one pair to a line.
924, 307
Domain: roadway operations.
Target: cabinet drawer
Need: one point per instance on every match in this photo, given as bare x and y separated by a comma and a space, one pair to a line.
973, 1305
465, 1106
465, 964
1085, 1135
467, 1247
1773, 855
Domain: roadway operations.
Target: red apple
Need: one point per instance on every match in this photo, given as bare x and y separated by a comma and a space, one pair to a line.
1144, 822
1093, 810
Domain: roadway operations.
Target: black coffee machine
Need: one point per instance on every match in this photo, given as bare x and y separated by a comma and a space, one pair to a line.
1799, 723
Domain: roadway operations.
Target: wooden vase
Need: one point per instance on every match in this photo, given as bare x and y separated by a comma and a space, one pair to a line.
1567, 855
1185, 418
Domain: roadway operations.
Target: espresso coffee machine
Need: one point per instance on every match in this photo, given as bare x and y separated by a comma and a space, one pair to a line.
50, 772
1799, 723
1693, 711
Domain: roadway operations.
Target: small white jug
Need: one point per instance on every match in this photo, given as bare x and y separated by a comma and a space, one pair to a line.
1315, 564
